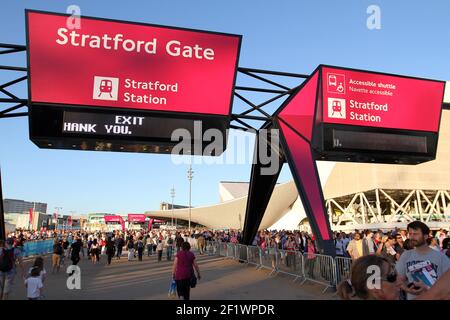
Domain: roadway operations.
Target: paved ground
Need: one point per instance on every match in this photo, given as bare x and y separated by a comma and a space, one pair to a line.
222, 279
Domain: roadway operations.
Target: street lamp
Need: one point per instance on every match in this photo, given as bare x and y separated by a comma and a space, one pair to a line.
172, 194
57, 217
190, 176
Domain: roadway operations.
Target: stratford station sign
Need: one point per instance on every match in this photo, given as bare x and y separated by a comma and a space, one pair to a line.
123, 86
365, 116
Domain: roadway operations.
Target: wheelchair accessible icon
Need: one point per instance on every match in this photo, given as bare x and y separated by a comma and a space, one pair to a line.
336, 83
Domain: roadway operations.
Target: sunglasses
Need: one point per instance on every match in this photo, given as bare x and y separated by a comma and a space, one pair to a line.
392, 277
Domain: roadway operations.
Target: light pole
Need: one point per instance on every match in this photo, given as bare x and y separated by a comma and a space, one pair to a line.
172, 194
190, 176
57, 217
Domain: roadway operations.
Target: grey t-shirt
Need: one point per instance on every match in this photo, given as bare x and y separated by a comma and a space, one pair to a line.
427, 267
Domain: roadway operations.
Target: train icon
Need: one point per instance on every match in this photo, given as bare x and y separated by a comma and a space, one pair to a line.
336, 108
105, 88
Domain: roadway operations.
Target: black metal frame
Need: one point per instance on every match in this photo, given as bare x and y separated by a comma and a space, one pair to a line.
11, 98
239, 121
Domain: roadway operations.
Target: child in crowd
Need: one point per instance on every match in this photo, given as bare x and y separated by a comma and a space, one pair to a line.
34, 284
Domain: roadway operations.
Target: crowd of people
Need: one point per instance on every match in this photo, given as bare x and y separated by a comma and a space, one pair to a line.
401, 249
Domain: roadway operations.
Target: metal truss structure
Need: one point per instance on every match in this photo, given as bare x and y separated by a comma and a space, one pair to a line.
11, 101
387, 209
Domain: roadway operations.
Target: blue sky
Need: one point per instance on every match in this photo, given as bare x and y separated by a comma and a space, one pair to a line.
291, 36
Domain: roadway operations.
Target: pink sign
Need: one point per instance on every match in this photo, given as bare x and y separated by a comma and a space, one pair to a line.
119, 64
362, 98
136, 217
115, 219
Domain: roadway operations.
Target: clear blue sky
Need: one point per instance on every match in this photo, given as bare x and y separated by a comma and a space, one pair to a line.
292, 36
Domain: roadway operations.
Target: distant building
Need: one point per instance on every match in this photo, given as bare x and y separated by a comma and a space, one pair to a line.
21, 206
168, 206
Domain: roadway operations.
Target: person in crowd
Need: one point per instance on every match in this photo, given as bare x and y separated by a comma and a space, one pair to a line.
130, 247
422, 266
169, 248
399, 245
355, 247
10, 258
433, 244
291, 248
183, 271
372, 278
58, 252
140, 248
110, 249
39, 263
89, 244
340, 245
310, 251
386, 249
149, 245
119, 243
75, 250
159, 249
65, 245
95, 251
369, 246
201, 244
34, 284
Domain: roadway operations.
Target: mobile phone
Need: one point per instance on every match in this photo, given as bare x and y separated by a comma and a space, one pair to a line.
411, 284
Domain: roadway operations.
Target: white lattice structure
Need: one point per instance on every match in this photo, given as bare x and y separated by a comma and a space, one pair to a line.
360, 195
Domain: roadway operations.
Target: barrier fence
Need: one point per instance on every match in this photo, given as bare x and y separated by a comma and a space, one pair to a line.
32, 248
317, 268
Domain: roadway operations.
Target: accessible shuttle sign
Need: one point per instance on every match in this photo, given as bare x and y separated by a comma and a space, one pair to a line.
372, 99
128, 65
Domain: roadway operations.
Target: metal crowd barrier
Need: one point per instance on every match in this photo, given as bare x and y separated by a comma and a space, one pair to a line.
253, 256
316, 268
268, 258
290, 263
223, 249
343, 268
230, 250
319, 269
32, 248
212, 248
241, 253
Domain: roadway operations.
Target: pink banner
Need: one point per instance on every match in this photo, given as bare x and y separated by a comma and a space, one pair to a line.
115, 219
136, 218
372, 99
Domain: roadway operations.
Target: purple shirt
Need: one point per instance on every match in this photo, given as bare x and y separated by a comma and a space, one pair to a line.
184, 265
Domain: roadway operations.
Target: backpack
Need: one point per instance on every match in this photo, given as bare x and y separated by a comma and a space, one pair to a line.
140, 245
7, 260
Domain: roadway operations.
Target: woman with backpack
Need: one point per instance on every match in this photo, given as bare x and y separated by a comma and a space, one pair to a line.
95, 252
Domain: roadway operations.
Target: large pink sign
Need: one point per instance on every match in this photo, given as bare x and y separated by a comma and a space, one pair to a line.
372, 99
130, 65
136, 217
118, 219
